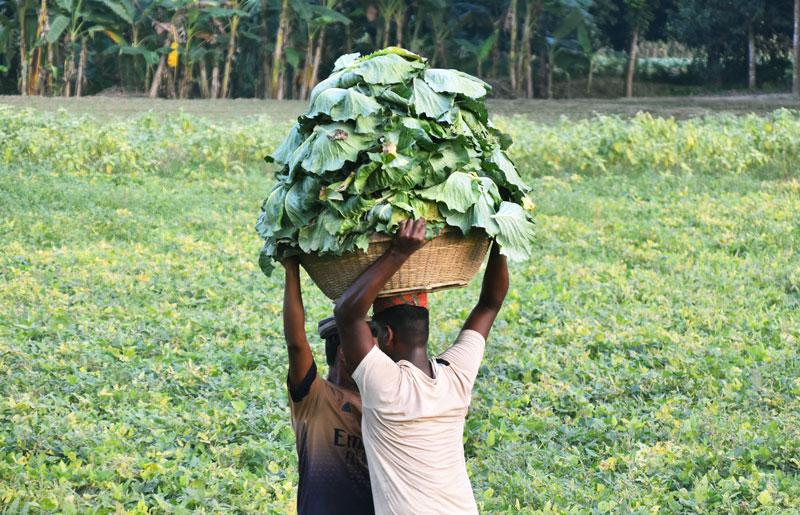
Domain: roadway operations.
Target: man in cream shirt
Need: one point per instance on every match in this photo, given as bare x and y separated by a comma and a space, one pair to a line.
414, 407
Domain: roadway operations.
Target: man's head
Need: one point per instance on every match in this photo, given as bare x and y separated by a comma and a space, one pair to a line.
333, 345
401, 328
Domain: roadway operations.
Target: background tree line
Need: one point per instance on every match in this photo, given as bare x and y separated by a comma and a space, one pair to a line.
281, 48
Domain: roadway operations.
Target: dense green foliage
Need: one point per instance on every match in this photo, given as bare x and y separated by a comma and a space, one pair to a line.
646, 358
387, 138
279, 48
187, 145
715, 144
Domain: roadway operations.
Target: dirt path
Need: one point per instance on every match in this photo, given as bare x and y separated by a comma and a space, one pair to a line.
540, 110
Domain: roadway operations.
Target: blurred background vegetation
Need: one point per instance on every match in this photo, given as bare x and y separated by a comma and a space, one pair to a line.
281, 48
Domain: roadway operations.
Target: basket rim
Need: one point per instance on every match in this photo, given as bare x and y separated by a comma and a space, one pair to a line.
383, 236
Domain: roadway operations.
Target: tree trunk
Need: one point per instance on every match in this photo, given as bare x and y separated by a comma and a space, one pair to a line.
294, 85
160, 71
41, 29
796, 51
171, 84
157, 77
50, 68
229, 58
282, 82
751, 59
183, 81
549, 69
543, 75
398, 21
631, 64
528, 74
264, 39
348, 39
525, 52
23, 58
512, 52
136, 63
204, 92
187, 79
418, 22
591, 72
318, 57
277, 55
525, 45
307, 66
215, 80
81, 67
495, 51
69, 69
387, 29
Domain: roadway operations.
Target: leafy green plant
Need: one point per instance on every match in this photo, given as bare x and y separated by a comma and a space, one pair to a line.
646, 359
386, 138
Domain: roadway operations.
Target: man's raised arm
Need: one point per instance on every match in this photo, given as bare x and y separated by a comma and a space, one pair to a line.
493, 292
300, 357
352, 307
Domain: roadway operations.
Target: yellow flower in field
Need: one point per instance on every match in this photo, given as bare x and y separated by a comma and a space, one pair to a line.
608, 464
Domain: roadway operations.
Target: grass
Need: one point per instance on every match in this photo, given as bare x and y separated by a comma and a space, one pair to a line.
546, 111
646, 359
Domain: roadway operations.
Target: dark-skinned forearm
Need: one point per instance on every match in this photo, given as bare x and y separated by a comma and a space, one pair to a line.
293, 312
359, 296
495, 281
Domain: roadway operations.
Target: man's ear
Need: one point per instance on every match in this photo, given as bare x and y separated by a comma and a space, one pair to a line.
340, 355
389, 337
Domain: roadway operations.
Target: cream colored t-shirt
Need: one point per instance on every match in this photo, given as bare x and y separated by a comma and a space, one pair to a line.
413, 426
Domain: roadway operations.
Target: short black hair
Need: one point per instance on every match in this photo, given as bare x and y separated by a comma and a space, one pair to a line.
332, 341
410, 324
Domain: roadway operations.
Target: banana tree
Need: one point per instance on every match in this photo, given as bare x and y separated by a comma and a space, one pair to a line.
18, 34
572, 14
480, 50
76, 23
26, 23
72, 23
275, 89
6, 41
180, 30
425, 10
317, 19
140, 44
233, 13
389, 10
525, 57
589, 52
638, 14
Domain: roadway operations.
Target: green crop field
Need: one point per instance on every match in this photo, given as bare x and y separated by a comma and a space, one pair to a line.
646, 359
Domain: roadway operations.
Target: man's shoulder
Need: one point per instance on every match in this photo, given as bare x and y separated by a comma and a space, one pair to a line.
337, 392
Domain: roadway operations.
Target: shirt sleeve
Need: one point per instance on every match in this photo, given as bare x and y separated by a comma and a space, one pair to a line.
378, 379
303, 398
466, 354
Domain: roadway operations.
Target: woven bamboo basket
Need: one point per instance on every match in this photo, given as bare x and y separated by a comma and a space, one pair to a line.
451, 260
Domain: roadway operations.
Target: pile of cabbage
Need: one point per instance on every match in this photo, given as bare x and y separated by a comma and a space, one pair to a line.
387, 137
